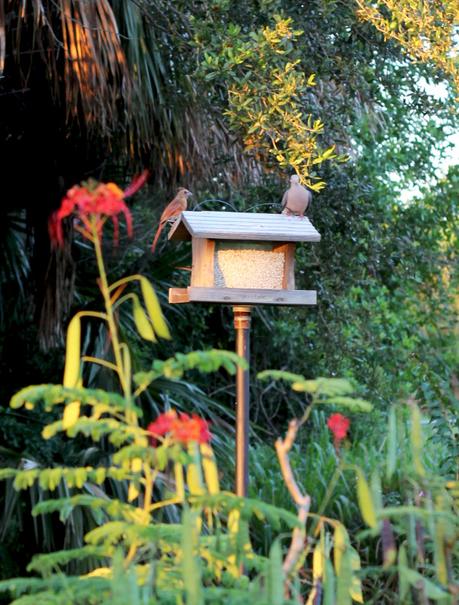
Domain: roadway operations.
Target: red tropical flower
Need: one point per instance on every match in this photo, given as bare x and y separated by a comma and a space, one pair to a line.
163, 424
93, 200
182, 428
186, 428
339, 425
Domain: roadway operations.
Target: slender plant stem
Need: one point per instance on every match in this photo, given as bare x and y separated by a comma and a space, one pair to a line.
113, 330
329, 492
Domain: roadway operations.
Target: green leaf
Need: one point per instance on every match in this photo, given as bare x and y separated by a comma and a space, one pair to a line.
191, 564
354, 404
391, 460
403, 582
340, 544
329, 584
47, 563
356, 585
417, 440
418, 581
344, 580
275, 575
365, 499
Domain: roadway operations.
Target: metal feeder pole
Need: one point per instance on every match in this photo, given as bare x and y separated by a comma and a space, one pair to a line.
242, 327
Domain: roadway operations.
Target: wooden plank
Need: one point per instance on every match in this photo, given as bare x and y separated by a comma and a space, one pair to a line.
253, 236
288, 250
178, 296
202, 273
246, 296
244, 226
178, 231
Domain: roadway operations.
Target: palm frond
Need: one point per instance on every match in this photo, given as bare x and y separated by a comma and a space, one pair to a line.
14, 262
76, 40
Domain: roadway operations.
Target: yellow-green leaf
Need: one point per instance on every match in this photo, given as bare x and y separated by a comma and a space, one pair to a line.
365, 499
340, 543
355, 588
344, 580
391, 461
141, 321
136, 465
191, 564
154, 309
193, 472
133, 492
318, 561
417, 440
72, 353
210, 469
179, 481
71, 414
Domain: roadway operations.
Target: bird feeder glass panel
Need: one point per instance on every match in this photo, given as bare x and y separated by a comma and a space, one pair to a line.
242, 265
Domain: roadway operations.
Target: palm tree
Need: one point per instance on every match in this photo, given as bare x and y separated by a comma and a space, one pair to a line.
82, 83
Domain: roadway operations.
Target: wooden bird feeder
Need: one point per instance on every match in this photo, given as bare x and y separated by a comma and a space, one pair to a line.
243, 259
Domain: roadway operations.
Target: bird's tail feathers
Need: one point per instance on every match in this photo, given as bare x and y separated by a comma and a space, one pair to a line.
157, 234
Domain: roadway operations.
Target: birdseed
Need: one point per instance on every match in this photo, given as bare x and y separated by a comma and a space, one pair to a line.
249, 269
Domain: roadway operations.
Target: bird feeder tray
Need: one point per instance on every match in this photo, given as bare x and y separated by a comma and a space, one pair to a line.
243, 258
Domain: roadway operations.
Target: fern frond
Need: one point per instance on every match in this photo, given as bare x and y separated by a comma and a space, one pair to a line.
45, 564
114, 531
118, 432
226, 502
54, 394
114, 508
203, 361
49, 478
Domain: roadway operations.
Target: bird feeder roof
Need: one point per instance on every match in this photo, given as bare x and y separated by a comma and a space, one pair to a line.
243, 226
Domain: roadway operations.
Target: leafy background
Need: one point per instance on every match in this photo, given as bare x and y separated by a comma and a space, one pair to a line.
384, 270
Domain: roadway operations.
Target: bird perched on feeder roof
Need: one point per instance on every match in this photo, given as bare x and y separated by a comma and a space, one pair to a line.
296, 199
171, 212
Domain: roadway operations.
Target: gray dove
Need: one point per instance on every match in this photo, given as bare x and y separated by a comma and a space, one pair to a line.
296, 199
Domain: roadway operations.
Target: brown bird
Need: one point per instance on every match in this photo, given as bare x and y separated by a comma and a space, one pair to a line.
296, 199
172, 211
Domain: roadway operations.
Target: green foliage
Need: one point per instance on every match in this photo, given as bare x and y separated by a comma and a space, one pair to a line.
323, 390
174, 368
265, 83
128, 547
385, 276
428, 35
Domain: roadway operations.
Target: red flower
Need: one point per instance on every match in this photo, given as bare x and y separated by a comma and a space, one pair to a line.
92, 200
185, 429
182, 428
163, 424
339, 425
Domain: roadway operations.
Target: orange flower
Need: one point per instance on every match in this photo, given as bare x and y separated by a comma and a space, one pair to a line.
182, 428
94, 200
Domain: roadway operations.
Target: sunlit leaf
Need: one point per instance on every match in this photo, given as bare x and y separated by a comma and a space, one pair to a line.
209, 466
154, 309
72, 353
417, 440
365, 499
141, 320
